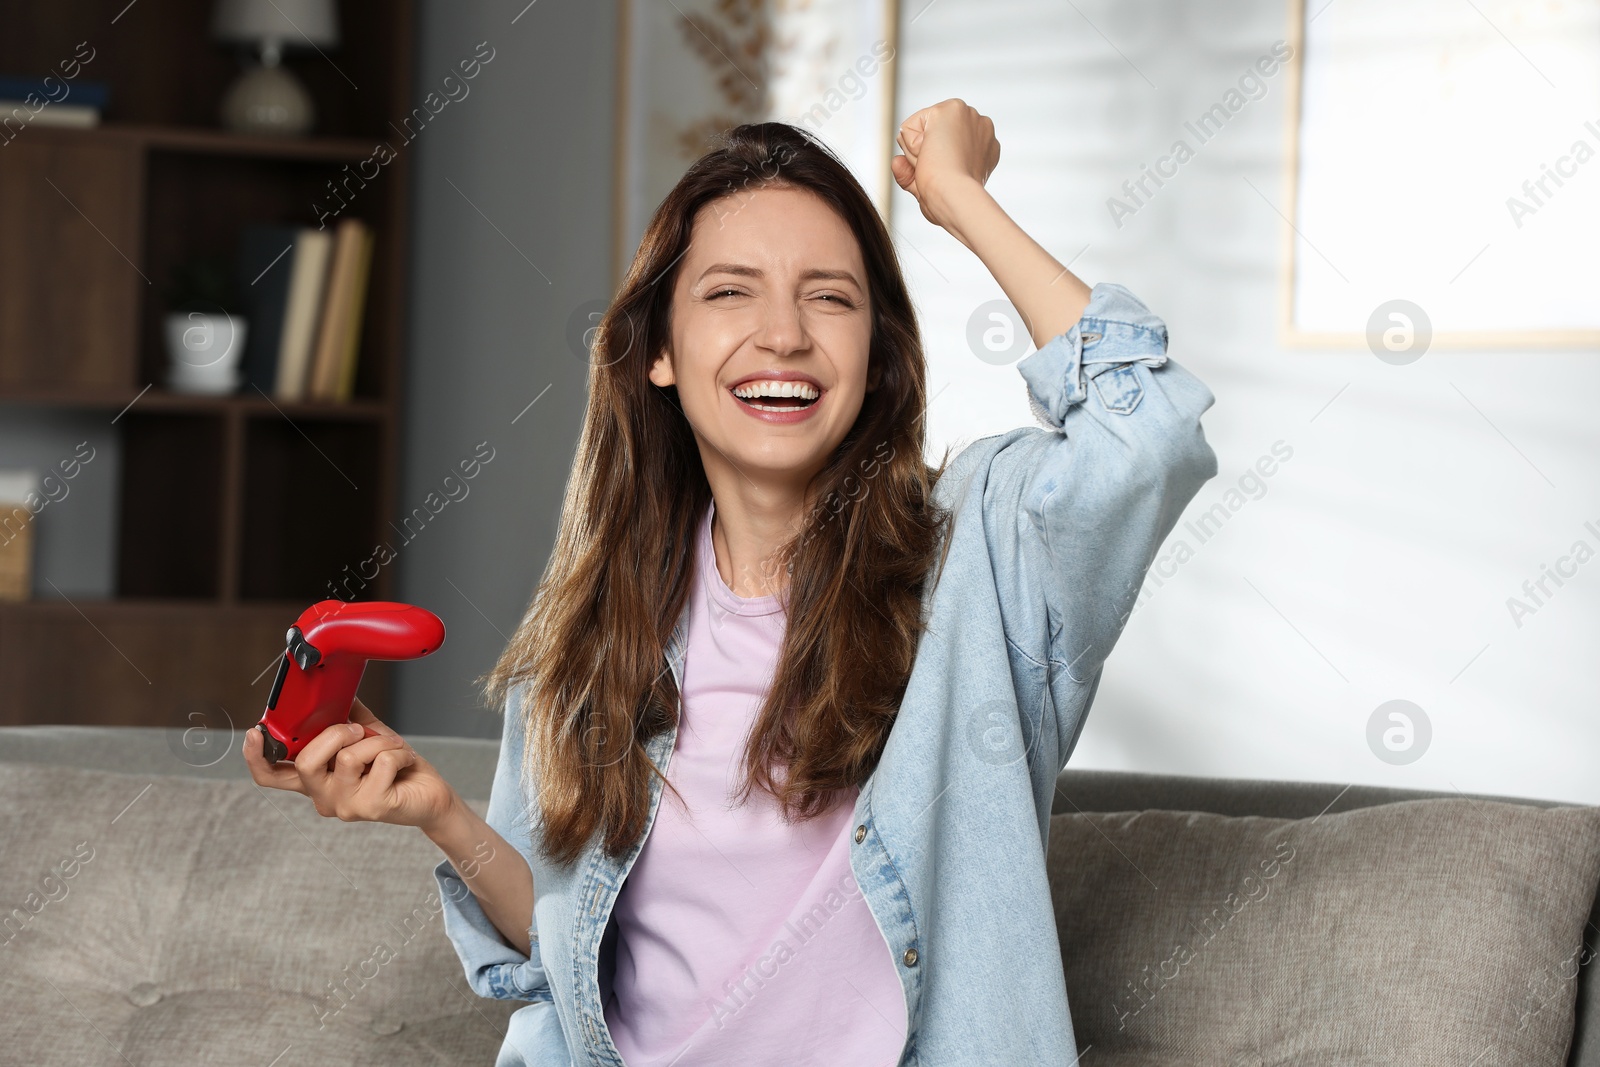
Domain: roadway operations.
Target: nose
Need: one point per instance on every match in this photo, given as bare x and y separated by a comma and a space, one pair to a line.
782, 329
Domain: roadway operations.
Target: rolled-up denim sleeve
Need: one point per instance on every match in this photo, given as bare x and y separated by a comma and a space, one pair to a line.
493, 967
1124, 455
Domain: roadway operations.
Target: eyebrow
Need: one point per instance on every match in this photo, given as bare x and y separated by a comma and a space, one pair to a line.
755, 272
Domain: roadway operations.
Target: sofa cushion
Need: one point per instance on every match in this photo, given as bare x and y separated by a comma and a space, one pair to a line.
1439, 931
212, 750
160, 919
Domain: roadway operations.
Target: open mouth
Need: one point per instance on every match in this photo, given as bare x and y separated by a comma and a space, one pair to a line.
765, 400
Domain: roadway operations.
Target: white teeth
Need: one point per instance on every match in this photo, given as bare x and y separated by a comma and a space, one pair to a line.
750, 390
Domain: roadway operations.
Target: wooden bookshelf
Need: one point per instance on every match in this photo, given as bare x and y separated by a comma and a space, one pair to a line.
235, 512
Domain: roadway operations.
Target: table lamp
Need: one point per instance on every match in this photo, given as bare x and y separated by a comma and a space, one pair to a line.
267, 99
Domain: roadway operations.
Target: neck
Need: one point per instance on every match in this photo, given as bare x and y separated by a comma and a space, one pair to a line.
749, 525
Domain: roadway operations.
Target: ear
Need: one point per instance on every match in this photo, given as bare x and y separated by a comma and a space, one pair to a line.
874, 376
661, 370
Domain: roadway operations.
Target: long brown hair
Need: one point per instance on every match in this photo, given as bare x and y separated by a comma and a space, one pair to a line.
592, 645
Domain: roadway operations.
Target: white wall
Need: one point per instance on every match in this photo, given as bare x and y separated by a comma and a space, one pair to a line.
1376, 562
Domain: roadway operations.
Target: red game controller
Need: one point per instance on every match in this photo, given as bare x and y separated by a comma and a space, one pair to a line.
327, 652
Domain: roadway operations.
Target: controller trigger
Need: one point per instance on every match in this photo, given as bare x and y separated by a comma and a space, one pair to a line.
272, 750
304, 652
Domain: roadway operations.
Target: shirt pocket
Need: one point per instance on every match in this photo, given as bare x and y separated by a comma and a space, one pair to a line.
1118, 385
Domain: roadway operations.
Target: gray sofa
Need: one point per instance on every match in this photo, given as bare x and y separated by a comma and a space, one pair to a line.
159, 908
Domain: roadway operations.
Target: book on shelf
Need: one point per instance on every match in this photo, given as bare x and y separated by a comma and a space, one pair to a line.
266, 256
344, 389
25, 101
307, 280
339, 331
18, 112
18, 502
305, 292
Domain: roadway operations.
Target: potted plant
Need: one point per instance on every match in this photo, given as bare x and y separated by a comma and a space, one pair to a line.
205, 327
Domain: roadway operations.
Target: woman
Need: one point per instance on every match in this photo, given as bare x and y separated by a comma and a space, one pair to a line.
857, 677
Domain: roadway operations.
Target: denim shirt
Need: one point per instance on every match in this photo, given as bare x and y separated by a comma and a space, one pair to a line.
1052, 530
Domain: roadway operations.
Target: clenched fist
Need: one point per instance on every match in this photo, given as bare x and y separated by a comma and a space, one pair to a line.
945, 146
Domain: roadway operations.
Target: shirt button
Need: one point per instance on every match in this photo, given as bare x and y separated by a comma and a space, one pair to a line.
861, 833
910, 957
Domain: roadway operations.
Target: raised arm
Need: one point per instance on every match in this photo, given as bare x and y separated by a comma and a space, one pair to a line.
950, 150
1075, 511
1121, 456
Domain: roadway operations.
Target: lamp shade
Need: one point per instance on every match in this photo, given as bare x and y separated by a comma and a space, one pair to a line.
290, 22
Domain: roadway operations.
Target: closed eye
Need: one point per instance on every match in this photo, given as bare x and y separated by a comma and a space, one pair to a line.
718, 294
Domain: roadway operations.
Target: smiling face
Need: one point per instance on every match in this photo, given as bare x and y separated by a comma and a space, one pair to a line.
770, 298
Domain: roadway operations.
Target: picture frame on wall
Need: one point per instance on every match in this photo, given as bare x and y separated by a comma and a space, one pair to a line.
690, 69
1443, 174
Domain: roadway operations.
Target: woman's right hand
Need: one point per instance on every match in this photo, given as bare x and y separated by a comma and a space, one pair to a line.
360, 771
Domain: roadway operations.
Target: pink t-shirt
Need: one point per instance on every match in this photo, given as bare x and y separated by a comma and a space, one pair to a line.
744, 939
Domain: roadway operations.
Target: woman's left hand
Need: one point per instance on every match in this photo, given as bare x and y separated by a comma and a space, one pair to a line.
946, 146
